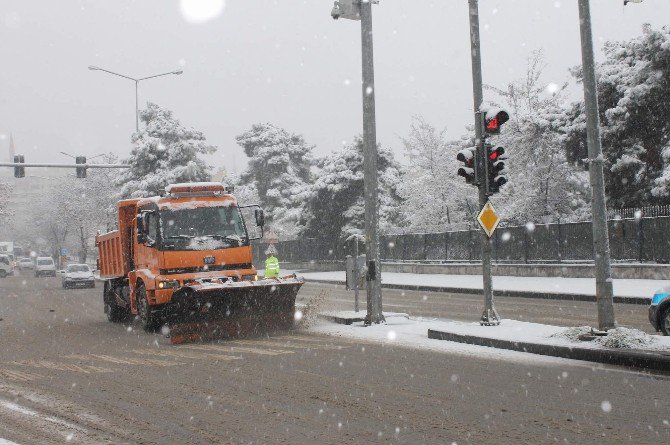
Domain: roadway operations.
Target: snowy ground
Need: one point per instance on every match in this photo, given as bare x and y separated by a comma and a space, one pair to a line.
413, 332
572, 286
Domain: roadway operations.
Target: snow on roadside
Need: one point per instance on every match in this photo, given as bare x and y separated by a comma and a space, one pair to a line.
412, 332
618, 338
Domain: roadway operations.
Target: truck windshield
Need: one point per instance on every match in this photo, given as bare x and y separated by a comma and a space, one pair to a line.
203, 228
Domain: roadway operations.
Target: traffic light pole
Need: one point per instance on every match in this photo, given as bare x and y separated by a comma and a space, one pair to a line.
601, 247
374, 294
490, 315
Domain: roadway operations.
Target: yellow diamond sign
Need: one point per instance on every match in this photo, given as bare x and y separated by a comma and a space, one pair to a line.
488, 218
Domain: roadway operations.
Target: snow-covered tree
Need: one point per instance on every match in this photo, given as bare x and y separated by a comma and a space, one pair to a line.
5, 193
633, 85
544, 186
336, 203
435, 199
278, 173
74, 209
164, 152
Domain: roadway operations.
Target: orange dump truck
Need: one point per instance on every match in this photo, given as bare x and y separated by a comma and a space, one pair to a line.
187, 256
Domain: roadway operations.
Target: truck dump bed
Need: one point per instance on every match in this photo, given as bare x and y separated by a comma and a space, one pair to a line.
112, 262
114, 248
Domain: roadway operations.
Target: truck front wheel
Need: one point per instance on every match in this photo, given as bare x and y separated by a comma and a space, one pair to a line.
150, 319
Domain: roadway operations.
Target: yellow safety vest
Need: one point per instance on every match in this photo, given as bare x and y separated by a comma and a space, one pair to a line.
271, 267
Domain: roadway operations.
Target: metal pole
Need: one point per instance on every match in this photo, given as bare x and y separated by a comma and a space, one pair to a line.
137, 107
490, 315
601, 248
356, 277
374, 295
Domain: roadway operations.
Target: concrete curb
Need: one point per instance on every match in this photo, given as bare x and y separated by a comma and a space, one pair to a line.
656, 361
342, 320
501, 293
347, 320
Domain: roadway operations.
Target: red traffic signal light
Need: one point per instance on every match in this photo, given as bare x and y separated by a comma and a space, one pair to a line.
495, 152
495, 157
493, 120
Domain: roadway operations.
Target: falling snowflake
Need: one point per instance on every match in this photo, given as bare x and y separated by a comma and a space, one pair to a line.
200, 11
606, 406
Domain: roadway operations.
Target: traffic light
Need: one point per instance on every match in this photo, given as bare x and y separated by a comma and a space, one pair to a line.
81, 171
19, 172
496, 160
467, 157
493, 120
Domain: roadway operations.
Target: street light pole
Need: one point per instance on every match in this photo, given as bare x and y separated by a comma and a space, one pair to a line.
374, 294
601, 247
137, 106
137, 84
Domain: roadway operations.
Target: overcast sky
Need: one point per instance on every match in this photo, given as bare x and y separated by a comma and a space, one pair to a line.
284, 61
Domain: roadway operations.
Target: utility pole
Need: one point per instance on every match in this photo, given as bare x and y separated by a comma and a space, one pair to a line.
601, 247
490, 315
374, 293
362, 10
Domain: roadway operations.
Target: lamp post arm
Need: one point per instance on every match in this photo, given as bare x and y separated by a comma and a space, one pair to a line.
116, 74
157, 75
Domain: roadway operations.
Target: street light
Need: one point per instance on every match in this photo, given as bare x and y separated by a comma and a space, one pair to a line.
137, 82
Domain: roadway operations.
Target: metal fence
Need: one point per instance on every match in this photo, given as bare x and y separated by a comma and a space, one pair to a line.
631, 240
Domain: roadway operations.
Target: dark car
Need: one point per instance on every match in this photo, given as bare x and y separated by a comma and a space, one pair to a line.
659, 311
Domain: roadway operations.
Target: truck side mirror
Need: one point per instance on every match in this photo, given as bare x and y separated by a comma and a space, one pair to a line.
260, 217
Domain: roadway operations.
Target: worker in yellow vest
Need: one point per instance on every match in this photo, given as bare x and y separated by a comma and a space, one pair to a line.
271, 263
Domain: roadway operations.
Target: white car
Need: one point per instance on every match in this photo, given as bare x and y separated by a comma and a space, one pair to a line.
45, 266
78, 275
26, 263
5, 266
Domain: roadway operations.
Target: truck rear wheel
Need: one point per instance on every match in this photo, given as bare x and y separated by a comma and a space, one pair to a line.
114, 312
150, 319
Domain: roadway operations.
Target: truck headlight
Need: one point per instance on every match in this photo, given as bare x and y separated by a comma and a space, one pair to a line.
170, 284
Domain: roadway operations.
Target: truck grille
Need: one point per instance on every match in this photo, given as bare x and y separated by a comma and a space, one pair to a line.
212, 268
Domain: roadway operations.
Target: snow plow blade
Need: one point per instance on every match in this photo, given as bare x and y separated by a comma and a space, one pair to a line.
209, 310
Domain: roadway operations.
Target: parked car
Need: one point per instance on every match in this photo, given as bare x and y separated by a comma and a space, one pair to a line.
45, 266
77, 275
26, 263
659, 311
6, 267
